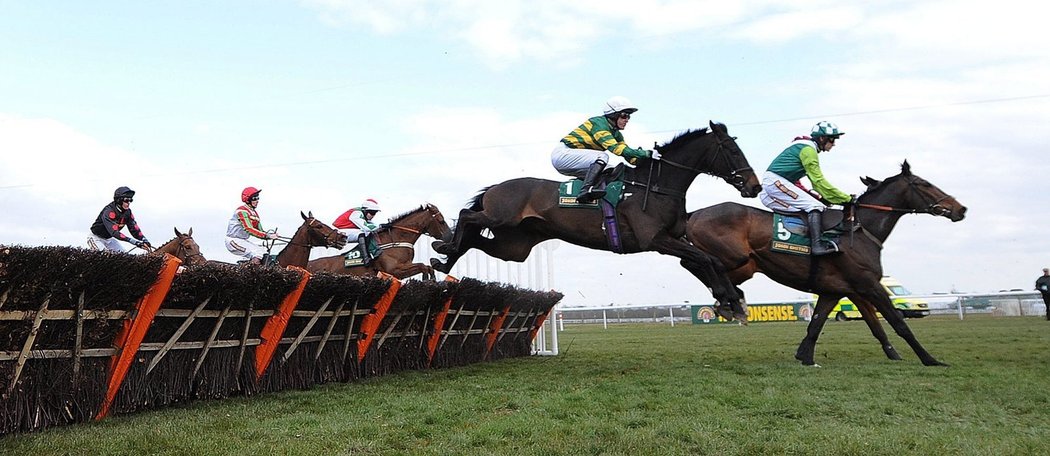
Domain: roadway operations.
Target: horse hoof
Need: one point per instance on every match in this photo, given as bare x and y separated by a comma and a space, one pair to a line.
742, 317
724, 313
440, 247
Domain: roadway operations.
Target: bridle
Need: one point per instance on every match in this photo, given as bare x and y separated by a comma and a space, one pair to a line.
933, 208
734, 177
328, 241
183, 248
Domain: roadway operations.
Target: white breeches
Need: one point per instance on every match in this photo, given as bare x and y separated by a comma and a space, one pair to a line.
244, 248
783, 195
574, 162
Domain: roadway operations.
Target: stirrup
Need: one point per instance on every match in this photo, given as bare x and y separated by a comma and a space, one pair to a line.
590, 195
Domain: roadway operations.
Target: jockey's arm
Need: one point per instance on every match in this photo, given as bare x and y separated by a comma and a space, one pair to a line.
811, 163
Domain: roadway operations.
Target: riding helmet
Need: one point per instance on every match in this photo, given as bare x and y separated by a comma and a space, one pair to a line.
123, 192
618, 104
825, 128
248, 193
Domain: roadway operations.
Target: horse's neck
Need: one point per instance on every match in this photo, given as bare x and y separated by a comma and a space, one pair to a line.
169, 247
878, 222
417, 227
664, 176
297, 252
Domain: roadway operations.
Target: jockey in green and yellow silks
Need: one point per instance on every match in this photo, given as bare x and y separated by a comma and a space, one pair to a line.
584, 152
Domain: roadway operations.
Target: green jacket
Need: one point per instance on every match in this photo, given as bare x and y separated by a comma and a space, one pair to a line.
597, 134
800, 159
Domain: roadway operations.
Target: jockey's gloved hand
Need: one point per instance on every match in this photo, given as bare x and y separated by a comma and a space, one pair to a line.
852, 199
271, 235
655, 154
137, 243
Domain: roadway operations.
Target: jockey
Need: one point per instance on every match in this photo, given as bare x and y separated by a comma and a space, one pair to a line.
583, 153
244, 225
357, 223
105, 232
782, 190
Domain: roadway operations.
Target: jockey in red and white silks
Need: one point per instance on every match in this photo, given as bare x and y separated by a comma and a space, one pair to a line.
245, 225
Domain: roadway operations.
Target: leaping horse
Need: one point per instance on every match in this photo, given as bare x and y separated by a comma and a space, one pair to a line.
312, 233
521, 213
741, 237
183, 247
396, 239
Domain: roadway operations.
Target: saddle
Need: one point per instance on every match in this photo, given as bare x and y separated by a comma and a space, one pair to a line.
611, 180
791, 232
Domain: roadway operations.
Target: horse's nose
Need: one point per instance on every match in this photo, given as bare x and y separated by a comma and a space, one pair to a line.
961, 212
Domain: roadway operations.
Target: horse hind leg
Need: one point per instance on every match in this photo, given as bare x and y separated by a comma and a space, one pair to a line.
867, 311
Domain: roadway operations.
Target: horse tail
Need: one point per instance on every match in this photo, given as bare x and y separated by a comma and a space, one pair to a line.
475, 202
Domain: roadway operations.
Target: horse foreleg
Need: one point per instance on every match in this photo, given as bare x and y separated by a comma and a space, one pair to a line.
706, 268
816, 324
882, 302
867, 310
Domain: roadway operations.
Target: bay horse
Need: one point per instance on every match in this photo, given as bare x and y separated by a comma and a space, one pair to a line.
397, 239
520, 213
183, 247
312, 233
741, 237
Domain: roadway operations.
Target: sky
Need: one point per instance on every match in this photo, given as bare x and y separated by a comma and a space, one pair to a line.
323, 103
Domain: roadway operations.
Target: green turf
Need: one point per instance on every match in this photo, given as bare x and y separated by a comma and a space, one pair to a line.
642, 389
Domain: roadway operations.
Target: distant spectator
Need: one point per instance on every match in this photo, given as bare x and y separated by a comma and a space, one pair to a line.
1043, 285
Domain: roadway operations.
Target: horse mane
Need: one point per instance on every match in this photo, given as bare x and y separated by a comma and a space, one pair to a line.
402, 215
684, 137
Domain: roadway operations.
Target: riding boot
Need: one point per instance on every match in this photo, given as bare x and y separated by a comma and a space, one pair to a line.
362, 247
589, 193
818, 246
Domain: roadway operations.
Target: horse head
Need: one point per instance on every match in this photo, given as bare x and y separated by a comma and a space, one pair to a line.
321, 235
913, 194
188, 251
719, 156
437, 228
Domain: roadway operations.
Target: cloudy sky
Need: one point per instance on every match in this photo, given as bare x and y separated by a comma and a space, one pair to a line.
322, 103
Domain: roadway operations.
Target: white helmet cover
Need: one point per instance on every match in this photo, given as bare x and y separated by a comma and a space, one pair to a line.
370, 205
617, 104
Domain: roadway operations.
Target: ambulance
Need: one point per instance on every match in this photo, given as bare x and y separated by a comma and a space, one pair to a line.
902, 299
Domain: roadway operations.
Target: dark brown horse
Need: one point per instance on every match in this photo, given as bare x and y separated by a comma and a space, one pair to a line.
397, 239
183, 247
312, 233
741, 237
521, 213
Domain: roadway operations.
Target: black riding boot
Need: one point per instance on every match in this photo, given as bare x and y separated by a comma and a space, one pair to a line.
362, 246
818, 246
589, 193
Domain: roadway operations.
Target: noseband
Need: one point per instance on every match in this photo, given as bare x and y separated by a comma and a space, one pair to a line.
183, 248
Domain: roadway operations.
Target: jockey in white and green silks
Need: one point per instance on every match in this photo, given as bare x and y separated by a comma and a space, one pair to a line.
782, 189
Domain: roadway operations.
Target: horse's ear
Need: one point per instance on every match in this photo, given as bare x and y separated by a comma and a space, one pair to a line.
310, 214
190, 232
177, 233
866, 180
302, 214
906, 168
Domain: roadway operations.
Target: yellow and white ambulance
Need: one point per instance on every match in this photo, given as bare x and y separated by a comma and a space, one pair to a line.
902, 299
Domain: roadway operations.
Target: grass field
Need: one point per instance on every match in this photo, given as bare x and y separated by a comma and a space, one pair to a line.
642, 389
